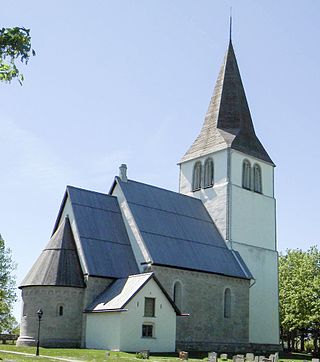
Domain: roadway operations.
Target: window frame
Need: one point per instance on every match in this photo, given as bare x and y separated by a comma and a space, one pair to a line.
257, 178
197, 176
208, 179
146, 327
146, 312
246, 175
227, 303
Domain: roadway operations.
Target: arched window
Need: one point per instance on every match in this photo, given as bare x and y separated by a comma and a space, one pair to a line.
227, 303
196, 181
177, 294
246, 175
208, 173
60, 310
257, 179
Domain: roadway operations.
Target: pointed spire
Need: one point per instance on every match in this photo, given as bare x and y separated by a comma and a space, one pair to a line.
58, 264
228, 122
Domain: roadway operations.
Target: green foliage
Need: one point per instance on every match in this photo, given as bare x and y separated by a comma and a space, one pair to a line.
299, 291
7, 289
15, 44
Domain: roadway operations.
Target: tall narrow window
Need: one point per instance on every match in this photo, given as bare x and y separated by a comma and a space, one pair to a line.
246, 175
177, 294
196, 181
60, 310
149, 307
208, 172
257, 179
227, 303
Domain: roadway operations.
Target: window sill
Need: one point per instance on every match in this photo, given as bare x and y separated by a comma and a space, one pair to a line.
145, 337
149, 316
207, 187
195, 190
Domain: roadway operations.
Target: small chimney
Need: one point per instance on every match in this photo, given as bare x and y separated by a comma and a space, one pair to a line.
123, 172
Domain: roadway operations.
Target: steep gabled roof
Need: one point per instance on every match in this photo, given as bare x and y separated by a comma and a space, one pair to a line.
178, 232
116, 296
105, 249
58, 264
228, 120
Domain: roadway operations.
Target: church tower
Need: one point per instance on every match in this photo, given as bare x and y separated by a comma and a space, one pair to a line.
230, 171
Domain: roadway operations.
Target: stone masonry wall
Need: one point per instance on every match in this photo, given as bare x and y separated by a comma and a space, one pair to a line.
56, 330
203, 299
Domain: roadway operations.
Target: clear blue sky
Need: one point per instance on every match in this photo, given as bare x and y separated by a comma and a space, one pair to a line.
130, 81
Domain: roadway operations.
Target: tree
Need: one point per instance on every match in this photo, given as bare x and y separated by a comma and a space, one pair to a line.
15, 44
7, 288
299, 295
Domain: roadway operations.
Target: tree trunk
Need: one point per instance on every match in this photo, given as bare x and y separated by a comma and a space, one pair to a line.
302, 342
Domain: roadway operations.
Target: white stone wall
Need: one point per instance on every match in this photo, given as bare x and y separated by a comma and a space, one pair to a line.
103, 330
214, 198
123, 330
264, 310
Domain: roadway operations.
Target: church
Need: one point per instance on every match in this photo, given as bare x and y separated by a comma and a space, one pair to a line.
142, 267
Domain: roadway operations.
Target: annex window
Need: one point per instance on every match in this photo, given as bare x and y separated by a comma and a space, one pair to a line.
196, 180
61, 310
208, 173
257, 179
177, 294
149, 307
147, 330
246, 175
227, 303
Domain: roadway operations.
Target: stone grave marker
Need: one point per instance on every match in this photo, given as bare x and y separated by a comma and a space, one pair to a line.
250, 357
223, 356
183, 355
212, 357
315, 360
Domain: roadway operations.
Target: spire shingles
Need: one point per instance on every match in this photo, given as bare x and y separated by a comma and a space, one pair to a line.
228, 120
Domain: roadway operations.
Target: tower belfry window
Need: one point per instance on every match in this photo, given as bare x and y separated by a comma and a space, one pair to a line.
246, 175
197, 173
257, 179
208, 173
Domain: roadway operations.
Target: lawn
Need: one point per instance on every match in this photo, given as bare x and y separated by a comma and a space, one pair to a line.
92, 355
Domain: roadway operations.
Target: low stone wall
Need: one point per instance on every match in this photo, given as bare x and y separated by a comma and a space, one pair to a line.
208, 346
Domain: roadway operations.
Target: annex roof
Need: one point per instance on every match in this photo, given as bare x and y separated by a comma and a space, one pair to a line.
103, 241
116, 296
228, 120
178, 231
58, 263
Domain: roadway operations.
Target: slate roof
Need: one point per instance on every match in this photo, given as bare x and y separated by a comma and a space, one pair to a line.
104, 246
116, 296
228, 120
178, 231
58, 263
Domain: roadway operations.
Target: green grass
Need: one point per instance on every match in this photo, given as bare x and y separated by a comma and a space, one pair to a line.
91, 355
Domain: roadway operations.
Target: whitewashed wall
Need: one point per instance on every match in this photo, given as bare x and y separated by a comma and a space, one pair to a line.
123, 330
263, 295
214, 198
103, 330
164, 322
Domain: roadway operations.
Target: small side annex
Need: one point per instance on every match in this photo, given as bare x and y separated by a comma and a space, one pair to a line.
133, 313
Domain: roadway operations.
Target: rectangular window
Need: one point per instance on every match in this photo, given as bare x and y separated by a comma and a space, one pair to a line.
147, 330
149, 307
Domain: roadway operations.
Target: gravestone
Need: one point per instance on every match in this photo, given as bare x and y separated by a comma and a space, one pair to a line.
315, 360
261, 358
223, 356
212, 357
272, 357
250, 357
183, 355
256, 359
